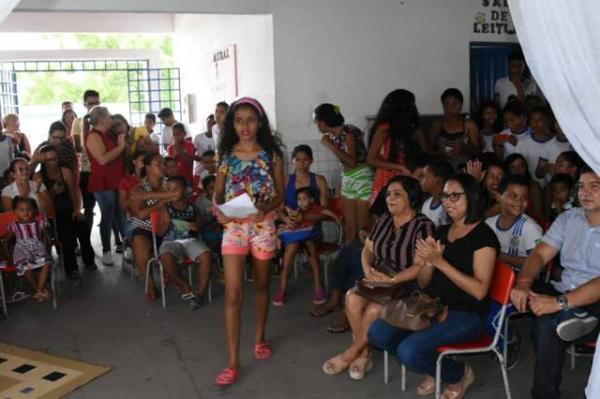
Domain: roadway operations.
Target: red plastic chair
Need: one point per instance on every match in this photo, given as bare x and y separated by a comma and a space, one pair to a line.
571, 351
502, 283
6, 218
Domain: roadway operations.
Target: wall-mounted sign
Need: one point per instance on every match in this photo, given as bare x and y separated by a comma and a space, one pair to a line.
223, 73
493, 18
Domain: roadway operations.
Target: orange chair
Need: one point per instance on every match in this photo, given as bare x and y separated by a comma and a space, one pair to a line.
502, 283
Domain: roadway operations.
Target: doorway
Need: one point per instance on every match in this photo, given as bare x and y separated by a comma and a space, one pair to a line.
488, 63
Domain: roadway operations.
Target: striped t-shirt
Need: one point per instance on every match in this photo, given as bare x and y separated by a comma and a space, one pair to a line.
396, 247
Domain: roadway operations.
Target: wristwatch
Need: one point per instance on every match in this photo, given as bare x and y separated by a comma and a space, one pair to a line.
563, 302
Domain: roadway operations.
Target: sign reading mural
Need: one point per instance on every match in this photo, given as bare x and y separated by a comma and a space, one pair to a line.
223, 73
493, 18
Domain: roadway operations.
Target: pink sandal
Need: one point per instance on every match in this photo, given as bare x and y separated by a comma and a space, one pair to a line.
262, 351
228, 376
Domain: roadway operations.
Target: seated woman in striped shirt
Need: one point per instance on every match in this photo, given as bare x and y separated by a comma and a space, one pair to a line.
392, 242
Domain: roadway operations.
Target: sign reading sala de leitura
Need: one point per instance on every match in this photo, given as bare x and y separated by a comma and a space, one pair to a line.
493, 18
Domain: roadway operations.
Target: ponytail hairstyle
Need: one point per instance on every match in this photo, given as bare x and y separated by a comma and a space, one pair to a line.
266, 138
399, 110
329, 114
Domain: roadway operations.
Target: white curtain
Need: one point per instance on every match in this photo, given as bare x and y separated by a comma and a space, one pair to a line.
6, 7
561, 42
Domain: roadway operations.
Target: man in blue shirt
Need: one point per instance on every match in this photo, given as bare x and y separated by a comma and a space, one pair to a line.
567, 310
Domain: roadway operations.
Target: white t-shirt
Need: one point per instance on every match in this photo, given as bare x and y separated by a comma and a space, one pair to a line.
12, 191
533, 151
505, 88
202, 143
487, 143
520, 238
216, 133
508, 147
555, 148
167, 136
593, 389
436, 214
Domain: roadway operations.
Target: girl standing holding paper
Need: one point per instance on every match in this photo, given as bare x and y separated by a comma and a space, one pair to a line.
252, 163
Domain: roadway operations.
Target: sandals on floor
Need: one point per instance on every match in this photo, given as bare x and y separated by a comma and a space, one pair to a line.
338, 327
262, 351
465, 383
360, 367
335, 365
228, 376
426, 387
320, 311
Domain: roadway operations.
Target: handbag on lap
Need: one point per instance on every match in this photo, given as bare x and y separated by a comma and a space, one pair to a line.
414, 313
380, 292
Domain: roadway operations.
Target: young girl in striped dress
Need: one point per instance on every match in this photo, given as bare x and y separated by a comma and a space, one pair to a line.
31, 248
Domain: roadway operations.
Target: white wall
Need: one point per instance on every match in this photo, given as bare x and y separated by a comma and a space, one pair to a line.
351, 52
198, 36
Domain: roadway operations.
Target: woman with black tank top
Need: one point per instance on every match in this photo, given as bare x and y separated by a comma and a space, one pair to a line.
458, 270
70, 223
454, 137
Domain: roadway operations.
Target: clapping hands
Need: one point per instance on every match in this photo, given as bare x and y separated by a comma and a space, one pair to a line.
430, 250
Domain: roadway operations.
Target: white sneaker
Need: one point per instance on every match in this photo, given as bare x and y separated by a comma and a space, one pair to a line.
128, 254
107, 259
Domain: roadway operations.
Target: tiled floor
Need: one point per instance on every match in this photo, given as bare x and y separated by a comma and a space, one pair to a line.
176, 353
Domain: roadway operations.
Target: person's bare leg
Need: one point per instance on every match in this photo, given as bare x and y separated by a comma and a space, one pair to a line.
142, 248
233, 266
350, 222
262, 274
172, 268
313, 260
30, 279
288, 262
361, 341
43, 278
204, 269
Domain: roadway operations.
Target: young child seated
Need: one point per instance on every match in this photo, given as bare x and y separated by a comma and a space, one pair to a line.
182, 241
518, 234
31, 250
210, 229
561, 199
301, 226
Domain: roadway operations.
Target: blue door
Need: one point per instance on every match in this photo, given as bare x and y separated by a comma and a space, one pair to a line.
488, 63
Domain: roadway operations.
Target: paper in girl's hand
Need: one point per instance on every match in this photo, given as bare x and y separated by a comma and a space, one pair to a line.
239, 208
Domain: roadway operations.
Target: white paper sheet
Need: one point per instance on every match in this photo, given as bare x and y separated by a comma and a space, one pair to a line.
238, 208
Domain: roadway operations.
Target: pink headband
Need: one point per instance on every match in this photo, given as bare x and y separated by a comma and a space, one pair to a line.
250, 101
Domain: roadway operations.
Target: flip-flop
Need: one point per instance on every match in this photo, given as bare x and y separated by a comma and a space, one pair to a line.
262, 351
317, 312
338, 328
228, 376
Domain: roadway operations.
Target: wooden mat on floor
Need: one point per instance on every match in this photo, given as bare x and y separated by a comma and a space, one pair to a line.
28, 374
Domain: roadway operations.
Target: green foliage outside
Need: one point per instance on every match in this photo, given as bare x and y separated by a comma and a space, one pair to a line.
43, 88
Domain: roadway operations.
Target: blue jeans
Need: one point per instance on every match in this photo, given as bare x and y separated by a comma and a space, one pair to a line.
348, 267
417, 350
550, 349
108, 201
